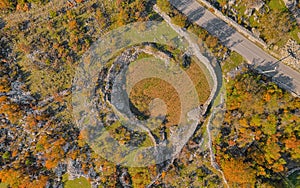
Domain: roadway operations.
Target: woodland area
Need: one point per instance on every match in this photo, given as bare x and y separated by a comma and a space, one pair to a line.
38, 137
40, 145
260, 133
268, 19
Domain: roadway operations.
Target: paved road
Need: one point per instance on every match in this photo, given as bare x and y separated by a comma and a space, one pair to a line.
285, 76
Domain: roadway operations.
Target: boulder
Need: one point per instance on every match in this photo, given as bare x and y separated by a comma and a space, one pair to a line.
231, 2
257, 5
255, 32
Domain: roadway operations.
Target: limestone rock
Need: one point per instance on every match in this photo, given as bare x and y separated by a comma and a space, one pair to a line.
292, 51
255, 32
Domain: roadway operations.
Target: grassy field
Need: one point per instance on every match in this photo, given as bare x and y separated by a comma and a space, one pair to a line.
277, 5
294, 34
200, 81
232, 61
149, 89
81, 182
3, 185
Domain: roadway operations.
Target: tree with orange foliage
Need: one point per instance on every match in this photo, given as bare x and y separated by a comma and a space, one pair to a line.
72, 24
55, 154
12, 177
293, 145
238, 173
4, 4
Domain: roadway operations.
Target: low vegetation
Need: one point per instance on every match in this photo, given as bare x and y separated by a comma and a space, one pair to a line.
231, 62
39, 142
270, 17
149, 89
78, 182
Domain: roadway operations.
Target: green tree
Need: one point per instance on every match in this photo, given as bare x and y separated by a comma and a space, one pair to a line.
6, 155
164, 5
274, 26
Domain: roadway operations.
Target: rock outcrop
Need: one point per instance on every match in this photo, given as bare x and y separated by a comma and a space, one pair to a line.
291, 54
293, 6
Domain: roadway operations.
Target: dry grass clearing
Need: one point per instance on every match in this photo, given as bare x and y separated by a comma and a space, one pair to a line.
200, 81
149, 89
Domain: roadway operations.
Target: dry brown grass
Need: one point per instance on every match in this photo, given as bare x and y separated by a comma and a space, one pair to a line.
200, 81
149, 89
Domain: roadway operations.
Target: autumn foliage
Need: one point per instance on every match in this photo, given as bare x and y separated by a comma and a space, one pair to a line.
262, 126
